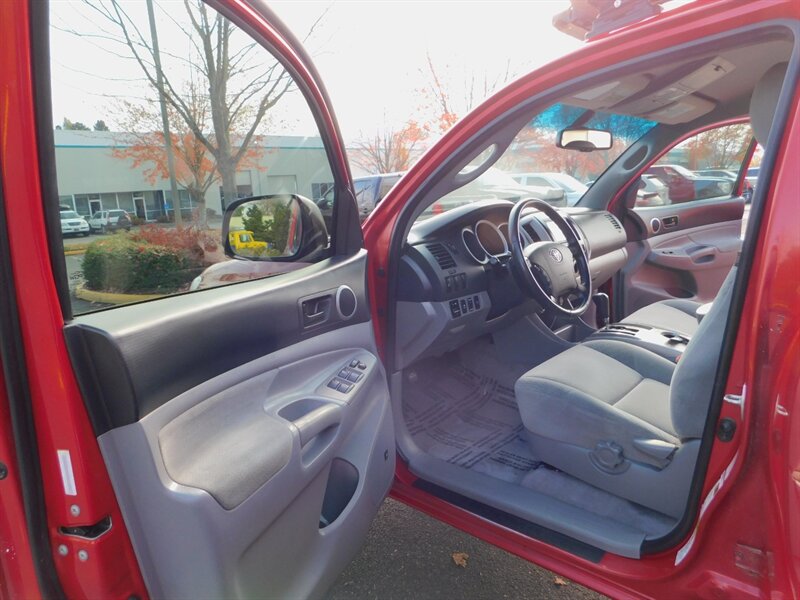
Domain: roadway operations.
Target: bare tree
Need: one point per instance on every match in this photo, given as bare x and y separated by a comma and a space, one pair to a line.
388, 150
242, 87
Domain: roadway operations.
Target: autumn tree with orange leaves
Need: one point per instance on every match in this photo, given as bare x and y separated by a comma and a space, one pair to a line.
446, 100
195, 167
389, 150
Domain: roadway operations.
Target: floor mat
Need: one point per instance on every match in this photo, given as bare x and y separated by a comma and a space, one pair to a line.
457, 413
469, 420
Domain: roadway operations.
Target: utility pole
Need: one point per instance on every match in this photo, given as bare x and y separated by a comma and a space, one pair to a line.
176, 201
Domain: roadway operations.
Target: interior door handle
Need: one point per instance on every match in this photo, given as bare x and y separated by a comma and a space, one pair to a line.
311, 424
316, 310
703, 254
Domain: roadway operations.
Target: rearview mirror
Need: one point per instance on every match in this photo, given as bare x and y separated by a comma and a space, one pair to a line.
584, 140
281, 227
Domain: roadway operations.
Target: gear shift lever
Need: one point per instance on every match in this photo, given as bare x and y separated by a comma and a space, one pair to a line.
602, 308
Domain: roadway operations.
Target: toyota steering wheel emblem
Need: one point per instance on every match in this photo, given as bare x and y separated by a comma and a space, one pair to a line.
556, 255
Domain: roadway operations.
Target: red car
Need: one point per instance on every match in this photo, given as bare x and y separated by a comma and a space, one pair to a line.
551, 380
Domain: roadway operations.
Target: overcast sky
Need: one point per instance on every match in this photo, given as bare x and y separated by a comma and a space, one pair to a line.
371, 55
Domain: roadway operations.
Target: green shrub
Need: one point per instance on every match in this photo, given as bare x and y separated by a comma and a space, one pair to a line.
121, 264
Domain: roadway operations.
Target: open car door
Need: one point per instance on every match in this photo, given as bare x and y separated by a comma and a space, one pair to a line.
245, 430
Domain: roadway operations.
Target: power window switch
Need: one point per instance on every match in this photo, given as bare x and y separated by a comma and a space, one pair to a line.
354, 376
354, 363
345, 387
362, 366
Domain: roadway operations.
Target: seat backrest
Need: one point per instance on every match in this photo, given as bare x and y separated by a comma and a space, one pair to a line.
764, 101
693, 380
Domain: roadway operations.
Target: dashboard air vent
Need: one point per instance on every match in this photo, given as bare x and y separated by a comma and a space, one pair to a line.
442, 256
614, 221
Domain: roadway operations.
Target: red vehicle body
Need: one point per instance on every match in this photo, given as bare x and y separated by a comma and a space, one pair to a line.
744, 541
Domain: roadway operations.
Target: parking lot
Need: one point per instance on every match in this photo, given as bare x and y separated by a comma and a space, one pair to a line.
410, 555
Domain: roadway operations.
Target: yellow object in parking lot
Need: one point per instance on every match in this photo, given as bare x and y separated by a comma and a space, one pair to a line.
244, 240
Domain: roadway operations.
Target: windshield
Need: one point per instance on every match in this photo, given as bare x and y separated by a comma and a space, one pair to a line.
69, 214
568, 182
534, 153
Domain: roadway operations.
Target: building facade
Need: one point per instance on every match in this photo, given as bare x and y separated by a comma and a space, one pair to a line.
91, 178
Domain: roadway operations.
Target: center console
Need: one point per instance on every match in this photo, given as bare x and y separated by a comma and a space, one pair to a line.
666, 343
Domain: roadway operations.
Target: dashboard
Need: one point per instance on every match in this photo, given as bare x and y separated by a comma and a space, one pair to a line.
455, 281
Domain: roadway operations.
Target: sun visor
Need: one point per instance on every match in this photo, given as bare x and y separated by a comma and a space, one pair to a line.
684, 110
607, 95
676, 102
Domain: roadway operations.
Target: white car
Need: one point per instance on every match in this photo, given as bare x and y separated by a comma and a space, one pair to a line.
73, 224
573, 189
108, 220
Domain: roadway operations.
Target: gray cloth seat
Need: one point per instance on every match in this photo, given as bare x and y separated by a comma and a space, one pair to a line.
625, 419
672, 315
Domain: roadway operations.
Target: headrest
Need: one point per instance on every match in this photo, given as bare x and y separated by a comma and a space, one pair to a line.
764, 101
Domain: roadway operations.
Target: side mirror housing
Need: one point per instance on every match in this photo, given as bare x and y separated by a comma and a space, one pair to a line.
584, 139
281, 227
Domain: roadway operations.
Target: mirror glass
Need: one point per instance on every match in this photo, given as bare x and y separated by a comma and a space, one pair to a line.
584, 139
265, 227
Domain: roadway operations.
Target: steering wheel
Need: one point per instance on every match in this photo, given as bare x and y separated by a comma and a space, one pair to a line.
546, 271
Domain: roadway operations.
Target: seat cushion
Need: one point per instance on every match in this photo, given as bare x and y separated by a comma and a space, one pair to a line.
672, 315
587, 396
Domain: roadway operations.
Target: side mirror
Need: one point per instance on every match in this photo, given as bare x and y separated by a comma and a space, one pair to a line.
584, 140
282, 227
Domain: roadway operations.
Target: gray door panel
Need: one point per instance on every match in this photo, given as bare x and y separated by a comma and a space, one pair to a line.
682, 251
223, 496
249, 447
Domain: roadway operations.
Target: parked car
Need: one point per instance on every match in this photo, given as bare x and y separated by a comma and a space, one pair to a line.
110, 220
369, 191
494, 184
573, 189
722, 173
685, 186
73, 224
243, 241
652, 192
752, 176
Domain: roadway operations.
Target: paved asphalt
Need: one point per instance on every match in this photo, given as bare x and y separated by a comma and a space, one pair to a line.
410, 555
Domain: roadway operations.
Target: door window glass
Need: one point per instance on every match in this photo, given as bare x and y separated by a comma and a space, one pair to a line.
172, 145
705, 166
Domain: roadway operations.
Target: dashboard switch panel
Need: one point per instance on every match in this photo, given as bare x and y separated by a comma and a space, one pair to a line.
463, 306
